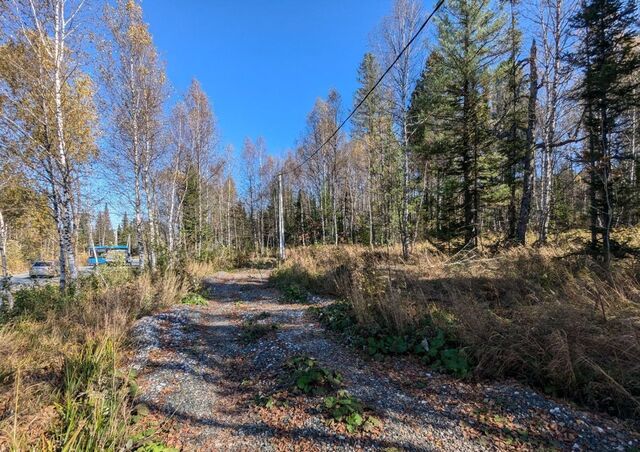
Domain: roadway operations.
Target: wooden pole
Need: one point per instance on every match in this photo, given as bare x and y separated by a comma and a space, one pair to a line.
281, 253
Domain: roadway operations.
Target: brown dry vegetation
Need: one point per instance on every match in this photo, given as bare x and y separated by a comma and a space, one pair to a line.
60, 378
550, 317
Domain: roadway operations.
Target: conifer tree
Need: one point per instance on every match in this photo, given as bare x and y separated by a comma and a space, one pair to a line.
607, 58
471, 42
372, 128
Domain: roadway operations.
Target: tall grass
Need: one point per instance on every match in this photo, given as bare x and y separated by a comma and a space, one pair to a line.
94, 411
550, 317
60, 387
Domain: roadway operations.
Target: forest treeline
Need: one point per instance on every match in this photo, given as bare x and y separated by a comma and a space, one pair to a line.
506, 122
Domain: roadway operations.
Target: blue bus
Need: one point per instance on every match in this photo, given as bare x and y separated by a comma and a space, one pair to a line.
116, 254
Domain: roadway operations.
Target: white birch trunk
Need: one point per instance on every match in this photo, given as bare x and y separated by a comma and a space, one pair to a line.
551, 108
66, 181
5, 281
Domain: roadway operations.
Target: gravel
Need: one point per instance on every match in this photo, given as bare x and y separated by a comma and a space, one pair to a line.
201, 380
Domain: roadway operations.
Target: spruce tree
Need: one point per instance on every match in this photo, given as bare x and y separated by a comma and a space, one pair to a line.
471, 41
430, 109
511, 117
607, 57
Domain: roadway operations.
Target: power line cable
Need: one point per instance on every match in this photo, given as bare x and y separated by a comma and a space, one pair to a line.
335, 132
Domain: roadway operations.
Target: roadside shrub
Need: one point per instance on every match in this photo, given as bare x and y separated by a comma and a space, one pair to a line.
34, 303
294, 294
105, 276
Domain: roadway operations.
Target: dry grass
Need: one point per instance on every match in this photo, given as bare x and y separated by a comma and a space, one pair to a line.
16, 261
550, 317
196, 270
50, 336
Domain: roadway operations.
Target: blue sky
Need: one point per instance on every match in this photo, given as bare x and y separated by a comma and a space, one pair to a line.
263, 63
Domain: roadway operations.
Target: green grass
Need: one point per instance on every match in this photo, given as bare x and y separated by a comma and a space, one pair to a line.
94, 405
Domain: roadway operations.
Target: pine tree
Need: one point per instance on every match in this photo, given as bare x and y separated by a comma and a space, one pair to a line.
104, 231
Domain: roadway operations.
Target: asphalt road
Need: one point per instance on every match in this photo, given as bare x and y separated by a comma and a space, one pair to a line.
23, 279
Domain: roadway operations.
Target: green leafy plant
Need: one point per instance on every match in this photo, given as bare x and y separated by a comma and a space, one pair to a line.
345, 408
443, 351
194, 299
309, 377
442, 356
337, 316
156, 447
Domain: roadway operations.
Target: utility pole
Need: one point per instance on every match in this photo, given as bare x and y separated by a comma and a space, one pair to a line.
280, 220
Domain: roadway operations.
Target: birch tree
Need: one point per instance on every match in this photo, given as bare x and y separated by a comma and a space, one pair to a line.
49, 105
134, 82
201, 140
555, 123
397, 30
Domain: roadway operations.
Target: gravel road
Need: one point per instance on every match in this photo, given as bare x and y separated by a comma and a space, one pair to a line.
201, 378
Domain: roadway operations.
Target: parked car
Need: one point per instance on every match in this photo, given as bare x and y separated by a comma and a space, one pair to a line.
44, 269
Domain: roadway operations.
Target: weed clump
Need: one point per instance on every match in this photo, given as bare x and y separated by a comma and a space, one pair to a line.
265, 401
345, 408
194, 299
294, 294
308, 377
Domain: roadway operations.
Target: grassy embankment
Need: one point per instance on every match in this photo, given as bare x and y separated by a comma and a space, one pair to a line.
549, 317
63, 378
